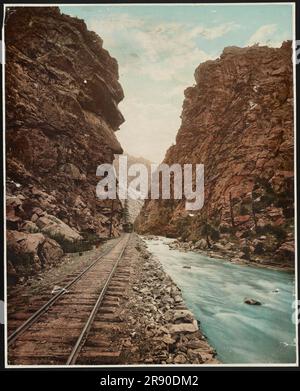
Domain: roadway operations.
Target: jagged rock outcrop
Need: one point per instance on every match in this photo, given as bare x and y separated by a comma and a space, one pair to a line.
62, 95
238, 121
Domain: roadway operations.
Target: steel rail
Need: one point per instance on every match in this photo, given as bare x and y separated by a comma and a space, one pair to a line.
85, 331
33, 318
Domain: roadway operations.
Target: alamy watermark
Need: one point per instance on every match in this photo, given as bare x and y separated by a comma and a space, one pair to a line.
164, 182
296, 313
297, 47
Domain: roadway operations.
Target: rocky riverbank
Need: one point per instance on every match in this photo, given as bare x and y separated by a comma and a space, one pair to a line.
225, 251
159, 314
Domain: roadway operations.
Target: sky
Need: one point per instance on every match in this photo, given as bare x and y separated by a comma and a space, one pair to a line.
158, 48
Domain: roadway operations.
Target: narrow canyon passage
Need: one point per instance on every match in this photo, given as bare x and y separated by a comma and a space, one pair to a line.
97, 278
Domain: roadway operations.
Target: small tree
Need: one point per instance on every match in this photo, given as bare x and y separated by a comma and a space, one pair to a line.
206, 232
253, 211
231, 210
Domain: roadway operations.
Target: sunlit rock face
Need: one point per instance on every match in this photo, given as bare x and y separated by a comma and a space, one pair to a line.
238, 121
62, 95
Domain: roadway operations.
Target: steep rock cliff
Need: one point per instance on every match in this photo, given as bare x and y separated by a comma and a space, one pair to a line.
238, 121
62, 95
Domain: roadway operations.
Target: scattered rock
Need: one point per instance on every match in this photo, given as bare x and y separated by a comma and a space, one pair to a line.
252, 302
162, 318
180, 359
183, 327
201, 244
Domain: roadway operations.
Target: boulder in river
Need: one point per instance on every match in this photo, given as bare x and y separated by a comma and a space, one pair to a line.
252, 301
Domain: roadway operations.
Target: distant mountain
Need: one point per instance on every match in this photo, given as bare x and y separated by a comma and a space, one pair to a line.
134, 206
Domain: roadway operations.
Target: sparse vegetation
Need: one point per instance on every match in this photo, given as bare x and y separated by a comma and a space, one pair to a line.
246, 251
90, 237
73, 247
244, 210
224, 229
259, 249
278, 232
209, 231
182, 227
20, 259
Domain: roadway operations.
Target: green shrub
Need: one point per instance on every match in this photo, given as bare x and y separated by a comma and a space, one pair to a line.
209, 230
182, 227
279, 232
244, 210
259, 248
20, 259
289, 212
215, 234
91, 237
226, 229
246, 251
247, 234
72, 247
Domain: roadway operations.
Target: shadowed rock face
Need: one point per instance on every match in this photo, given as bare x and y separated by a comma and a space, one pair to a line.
238, 121
62, 93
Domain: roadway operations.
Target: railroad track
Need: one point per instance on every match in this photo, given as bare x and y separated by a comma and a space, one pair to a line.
79, 323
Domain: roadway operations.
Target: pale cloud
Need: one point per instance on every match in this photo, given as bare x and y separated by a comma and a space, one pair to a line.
263, 35
161, 44
175, 66
114, 23
167, 39
167, 49
214, 32
157, 61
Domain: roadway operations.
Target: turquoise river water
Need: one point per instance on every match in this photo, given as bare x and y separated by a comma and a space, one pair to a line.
215, 291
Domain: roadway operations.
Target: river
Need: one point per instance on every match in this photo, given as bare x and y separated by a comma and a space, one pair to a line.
215, 291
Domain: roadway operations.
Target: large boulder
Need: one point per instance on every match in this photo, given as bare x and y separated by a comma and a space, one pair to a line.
29, 226
14, 211
72, 171
23, 242
57, 229
51, 251
28, 253
201, 244
183, 327
286, 251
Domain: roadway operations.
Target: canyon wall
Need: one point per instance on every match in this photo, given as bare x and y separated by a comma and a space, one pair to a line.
238, 121
62, 95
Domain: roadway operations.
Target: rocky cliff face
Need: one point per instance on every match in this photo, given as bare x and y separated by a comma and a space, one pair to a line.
62, 93
238, 121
